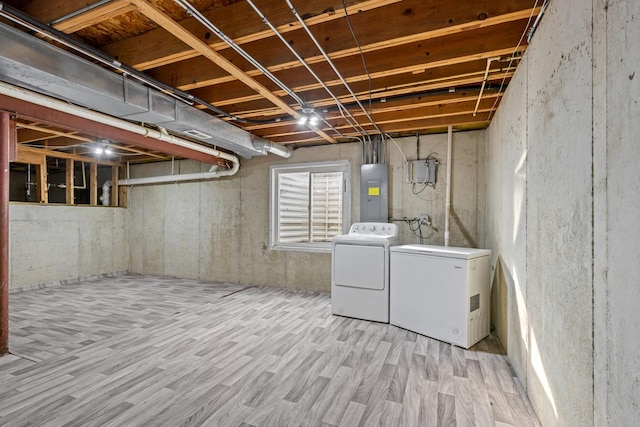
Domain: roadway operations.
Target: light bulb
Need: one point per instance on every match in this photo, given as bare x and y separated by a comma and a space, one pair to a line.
313, 121
302, 119
99, 150
108, 151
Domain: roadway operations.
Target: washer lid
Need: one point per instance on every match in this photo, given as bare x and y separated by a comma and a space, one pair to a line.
441, 251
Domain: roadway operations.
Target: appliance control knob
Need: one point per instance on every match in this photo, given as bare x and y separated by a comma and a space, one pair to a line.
372, 228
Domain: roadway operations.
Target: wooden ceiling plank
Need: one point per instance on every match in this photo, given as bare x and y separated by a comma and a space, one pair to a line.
396, 116
69, 156
94, 16
47, 10
242, 24
253, 109
484, 44
196, 80
56, 133
188, 38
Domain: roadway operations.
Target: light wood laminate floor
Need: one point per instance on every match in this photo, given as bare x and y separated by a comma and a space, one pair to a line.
134, 350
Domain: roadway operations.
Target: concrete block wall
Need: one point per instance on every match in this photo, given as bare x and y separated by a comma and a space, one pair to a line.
219, 230
50, 243
561, 218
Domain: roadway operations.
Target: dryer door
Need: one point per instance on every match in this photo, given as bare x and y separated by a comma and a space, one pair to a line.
359, 266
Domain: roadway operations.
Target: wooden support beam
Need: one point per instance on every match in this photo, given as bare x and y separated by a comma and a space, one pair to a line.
154, 49
37, 113
43, 190
59, 155
205, 50
94, 16
7, 132
115, 173
93, 184
70, 182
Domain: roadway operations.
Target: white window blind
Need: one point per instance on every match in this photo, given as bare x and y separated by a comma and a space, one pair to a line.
309, 205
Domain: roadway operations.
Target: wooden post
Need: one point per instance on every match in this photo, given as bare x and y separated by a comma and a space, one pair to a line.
70, 182
114, 185
93, 179
6, 136
43, 191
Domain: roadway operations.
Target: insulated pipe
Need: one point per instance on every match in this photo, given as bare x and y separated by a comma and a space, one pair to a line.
211, 174
5, 144
54, 104
104, 198
447, 202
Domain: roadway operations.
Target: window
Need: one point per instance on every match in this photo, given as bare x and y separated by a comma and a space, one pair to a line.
310, 204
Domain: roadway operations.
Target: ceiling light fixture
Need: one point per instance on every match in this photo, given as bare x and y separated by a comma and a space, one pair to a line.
309, 116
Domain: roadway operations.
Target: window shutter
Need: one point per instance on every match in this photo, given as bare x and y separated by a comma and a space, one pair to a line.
293, 202
326, 205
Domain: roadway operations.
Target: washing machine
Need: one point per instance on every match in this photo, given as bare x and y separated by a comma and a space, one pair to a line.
441, 292
360, 271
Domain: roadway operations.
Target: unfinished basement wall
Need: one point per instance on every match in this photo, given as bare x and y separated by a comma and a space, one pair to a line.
219, 230
51, 243
617, 203
562, 206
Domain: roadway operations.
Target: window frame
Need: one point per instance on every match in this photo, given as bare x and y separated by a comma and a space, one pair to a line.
343, 166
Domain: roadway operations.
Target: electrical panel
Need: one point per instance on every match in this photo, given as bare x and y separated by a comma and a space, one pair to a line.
374, 190
421, 171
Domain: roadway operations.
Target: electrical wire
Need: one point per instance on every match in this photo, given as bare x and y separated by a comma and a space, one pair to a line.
331, 64
504, 79
398, 146
191, 10
364, 62
28, 22
352, 121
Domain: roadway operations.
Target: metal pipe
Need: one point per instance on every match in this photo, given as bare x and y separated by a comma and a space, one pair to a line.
330, 62
351, 120
27, 21
79, 12
447, 202
198, 176
5, 143
188, 7
54, 104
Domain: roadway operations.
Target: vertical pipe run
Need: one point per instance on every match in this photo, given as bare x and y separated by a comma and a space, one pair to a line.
447, 202
5, 144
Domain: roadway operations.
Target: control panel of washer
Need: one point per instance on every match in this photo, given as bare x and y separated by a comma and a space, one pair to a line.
374, 229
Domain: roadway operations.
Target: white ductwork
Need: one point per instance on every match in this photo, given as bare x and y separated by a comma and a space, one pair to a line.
54, 104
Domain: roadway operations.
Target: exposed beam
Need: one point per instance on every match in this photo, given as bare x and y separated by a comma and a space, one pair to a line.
47, 10
375, 33
67, 156
7, 133
205, 50
155, 48
480, 121
93, 184
460, 49
395, 116
70, 182
94, 16
33, 112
